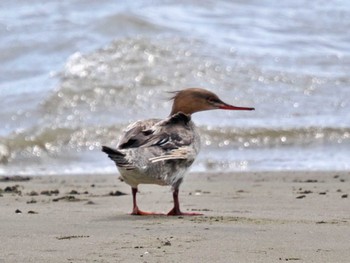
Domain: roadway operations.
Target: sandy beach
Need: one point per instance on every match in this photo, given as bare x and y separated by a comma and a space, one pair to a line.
247, 217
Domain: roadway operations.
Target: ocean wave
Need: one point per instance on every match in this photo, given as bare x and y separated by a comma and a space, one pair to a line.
276, 137
98, 93
55, 142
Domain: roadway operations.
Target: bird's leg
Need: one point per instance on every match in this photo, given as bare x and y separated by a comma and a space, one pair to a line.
176, 210
135, 209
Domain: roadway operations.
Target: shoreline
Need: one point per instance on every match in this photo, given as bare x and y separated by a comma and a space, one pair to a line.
247, 217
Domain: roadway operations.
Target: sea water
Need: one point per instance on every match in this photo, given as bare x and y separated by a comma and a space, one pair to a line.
73, 74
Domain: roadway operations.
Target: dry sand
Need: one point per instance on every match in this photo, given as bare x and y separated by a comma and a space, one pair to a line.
248, 217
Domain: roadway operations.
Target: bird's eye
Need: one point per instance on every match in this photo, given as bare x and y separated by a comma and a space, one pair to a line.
212, 100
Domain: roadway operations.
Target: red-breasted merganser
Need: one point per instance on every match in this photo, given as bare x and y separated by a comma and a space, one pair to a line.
159, 151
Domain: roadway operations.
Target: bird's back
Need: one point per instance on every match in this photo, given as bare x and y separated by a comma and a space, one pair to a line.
157, 151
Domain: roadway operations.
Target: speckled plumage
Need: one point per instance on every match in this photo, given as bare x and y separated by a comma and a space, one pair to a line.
156, 151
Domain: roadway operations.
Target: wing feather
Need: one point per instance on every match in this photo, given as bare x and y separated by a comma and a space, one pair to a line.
175, 154
168, 134
169, 139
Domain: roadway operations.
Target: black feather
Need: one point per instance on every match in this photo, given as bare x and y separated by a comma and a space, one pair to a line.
117, 156
111, 151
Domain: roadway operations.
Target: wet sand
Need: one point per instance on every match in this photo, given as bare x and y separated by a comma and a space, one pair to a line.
247, 217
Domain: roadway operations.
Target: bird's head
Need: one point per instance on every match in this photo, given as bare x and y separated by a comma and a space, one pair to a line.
193, 100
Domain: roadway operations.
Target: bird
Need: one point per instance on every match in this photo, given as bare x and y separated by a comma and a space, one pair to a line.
160, 151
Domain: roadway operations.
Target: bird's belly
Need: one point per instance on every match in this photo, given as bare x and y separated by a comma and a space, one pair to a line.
161, 173
135, 177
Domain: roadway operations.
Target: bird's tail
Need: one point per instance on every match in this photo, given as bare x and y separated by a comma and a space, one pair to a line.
117, 156
111, 151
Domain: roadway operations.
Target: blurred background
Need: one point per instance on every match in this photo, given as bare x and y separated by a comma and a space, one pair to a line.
74, 73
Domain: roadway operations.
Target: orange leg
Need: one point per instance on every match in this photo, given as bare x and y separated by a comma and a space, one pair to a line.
176, 210
135, 209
